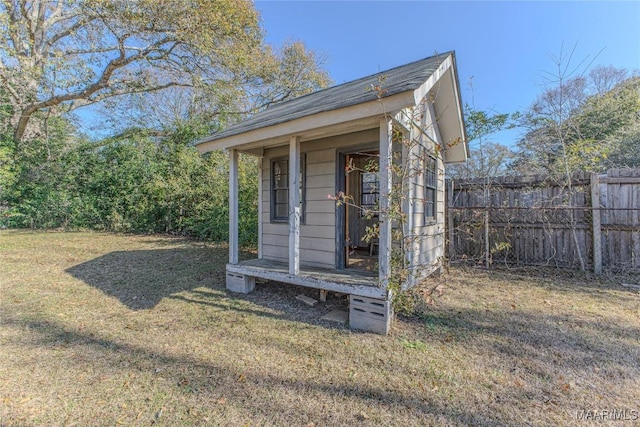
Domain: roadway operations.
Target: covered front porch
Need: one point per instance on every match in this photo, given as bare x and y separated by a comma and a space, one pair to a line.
347, 281
364, 279
369, 305
364, 275
369, 296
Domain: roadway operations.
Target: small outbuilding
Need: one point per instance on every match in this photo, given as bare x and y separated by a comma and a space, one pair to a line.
366, 162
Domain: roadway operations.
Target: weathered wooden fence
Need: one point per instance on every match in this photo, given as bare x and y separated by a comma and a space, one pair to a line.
593, 222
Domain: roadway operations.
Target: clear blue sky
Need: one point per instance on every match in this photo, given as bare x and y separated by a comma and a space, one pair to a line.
505, 46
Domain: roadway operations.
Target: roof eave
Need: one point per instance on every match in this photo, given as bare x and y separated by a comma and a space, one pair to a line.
463, 133
457, 149
308, 125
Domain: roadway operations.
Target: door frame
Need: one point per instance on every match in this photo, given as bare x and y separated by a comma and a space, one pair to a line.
341, 212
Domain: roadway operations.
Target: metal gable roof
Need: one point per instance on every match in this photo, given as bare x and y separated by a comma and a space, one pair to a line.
396, 80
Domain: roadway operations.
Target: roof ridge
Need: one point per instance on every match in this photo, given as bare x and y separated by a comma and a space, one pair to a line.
285, 101
401, 78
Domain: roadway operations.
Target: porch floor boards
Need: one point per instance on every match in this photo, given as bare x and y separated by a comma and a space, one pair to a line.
348, 281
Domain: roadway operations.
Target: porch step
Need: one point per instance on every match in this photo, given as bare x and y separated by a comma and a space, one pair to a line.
370, 314
240, 283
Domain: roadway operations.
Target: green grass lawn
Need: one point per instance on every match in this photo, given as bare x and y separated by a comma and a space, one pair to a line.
102, 329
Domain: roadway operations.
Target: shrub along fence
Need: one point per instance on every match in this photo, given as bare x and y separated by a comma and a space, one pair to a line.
592, 222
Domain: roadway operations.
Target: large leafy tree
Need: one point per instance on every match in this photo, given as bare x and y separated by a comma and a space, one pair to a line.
574, 125
164, 73
59, 55
607, 129
584, 123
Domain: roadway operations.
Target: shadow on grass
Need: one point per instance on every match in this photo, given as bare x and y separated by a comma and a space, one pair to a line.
140, 279
539, 343
541, 332
564, 281
217, 379
210, 302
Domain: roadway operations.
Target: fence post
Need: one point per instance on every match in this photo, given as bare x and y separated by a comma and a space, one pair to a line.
487, 204
487, 248
452, 249
597, 237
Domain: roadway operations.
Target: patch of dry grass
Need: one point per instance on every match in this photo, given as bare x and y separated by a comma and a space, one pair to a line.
100, 329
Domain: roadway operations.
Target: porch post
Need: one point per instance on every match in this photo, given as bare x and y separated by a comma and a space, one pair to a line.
386, 162
294, 205
233, 206
260, 207
411, 232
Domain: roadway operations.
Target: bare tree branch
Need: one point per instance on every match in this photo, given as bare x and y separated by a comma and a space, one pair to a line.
59, 55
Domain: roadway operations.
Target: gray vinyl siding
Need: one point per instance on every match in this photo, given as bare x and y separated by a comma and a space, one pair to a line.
430, 245
429, 235
317, 234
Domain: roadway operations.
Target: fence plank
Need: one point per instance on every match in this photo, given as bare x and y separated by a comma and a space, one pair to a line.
534, 215
595, 222
450, 220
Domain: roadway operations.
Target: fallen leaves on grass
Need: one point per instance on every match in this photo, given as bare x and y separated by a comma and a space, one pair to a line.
140, 329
